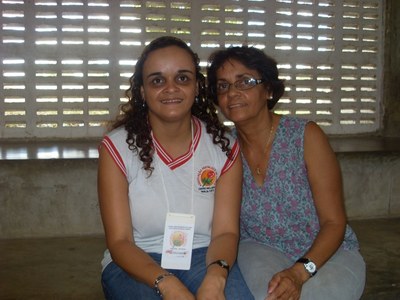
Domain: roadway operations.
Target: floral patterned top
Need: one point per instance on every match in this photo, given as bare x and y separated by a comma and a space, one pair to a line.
281, 213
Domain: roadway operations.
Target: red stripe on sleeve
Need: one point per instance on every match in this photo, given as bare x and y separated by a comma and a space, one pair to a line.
232, 157
112, 150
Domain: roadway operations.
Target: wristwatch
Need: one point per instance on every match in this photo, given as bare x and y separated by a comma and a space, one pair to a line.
222, 263
309, 265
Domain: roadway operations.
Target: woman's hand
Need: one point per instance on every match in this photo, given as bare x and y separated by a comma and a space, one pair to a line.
287, 284
212, 288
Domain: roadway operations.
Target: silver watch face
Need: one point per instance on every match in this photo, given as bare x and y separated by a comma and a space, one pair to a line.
311, 267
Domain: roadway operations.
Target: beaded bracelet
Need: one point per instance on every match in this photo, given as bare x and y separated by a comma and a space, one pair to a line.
158, 280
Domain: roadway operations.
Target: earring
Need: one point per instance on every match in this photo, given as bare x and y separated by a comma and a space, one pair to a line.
196, 99
270, 97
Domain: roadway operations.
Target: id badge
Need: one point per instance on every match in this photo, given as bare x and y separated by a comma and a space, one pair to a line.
178, 241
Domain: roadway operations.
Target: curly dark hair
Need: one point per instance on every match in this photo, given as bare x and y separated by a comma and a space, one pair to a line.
252, 58
134, 113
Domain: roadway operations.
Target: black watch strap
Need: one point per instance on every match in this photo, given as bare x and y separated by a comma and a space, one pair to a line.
222, 263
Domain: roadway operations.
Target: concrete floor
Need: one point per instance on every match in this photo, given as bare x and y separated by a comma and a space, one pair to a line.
69, 268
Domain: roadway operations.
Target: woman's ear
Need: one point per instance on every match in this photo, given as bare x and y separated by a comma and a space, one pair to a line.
268, 93
142, 93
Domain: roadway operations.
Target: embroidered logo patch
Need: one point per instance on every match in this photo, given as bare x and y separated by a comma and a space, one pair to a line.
206, 179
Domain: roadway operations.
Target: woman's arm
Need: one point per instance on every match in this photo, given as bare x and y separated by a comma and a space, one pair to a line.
116, 217
326, 185
225, 231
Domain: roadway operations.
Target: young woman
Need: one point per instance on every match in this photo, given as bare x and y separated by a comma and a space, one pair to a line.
295, 242
169, 185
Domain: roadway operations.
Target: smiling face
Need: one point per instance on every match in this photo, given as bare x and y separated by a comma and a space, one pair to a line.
169, 84
240, 105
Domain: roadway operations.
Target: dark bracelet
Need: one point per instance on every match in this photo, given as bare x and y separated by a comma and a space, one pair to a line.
158, 280
222, 263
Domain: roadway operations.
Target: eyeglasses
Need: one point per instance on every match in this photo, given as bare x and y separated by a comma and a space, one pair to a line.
242, 84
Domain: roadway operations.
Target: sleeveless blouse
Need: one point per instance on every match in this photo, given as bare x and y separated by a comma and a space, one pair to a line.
281, 213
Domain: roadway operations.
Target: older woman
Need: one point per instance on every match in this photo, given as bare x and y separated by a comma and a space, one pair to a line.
295, 241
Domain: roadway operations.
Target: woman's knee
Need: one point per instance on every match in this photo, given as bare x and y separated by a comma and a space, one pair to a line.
342, 278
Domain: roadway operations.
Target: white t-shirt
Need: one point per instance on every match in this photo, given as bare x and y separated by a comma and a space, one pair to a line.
182, 185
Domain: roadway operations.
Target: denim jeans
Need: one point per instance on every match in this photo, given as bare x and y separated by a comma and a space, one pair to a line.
119, 285
342, 277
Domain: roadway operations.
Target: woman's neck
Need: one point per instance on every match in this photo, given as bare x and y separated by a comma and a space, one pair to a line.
174, 137
250, 133
256, 143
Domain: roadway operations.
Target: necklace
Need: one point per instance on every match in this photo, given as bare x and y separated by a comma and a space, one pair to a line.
258, 168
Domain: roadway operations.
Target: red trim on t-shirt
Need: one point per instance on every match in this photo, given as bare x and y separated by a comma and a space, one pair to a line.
113, 151
179, 161
232, 157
